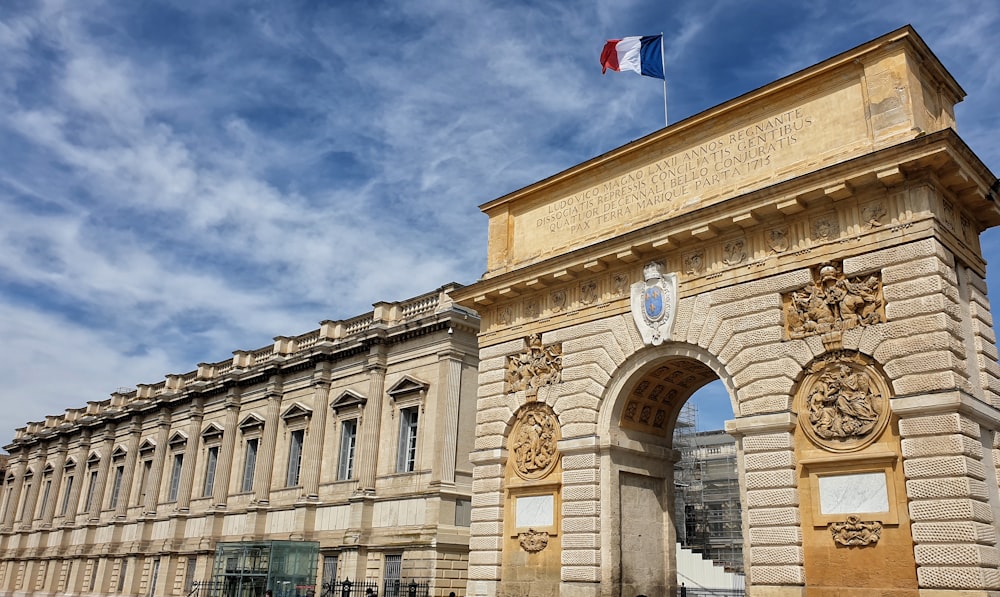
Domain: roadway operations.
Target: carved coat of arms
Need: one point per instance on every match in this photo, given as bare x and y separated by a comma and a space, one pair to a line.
654, 303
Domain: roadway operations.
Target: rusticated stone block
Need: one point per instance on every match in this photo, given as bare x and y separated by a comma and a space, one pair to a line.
956, 555
766, 517
776, 536
957, 509
956, 578
762, 576
771, 479
776, 556
770, 442
763, 498
763, 461
943, 445
943, 466
937, 425
957, 487
954, 532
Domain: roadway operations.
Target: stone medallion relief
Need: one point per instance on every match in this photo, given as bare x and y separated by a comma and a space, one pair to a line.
833, 303
533, 442
843, 403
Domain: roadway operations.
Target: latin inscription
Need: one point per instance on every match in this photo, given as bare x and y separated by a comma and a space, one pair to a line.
664, 183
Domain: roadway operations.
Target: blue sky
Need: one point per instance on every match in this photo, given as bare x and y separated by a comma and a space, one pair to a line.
179, 180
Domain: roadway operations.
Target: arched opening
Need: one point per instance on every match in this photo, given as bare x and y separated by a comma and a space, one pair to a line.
641, 456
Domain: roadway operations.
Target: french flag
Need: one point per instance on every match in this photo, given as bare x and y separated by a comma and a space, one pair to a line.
643, 55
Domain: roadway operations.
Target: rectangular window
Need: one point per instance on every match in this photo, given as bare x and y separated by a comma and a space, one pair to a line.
121, 575
463, 513
91, 489
117, 486
393, 567
45, 498
406, 459
213, 461
294, 458
189, 575
93, 574
348, 441
175, 477
249, 465
329, 570
147, 469
24, 502
66, 491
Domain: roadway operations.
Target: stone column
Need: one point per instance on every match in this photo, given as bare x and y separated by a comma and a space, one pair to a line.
262, 482
108, 444
135, 430
372, 422
771, 520
159, 458
80, 477
57, 475
312, 457
224, 467
450, 362
190, 455
32, 496
18, 467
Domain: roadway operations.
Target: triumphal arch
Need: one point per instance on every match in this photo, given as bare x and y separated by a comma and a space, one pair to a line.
815, 245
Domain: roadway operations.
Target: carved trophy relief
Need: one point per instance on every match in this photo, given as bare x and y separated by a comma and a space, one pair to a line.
536, 366
833, 303
505, 315
588, 293
531, 308
949, 215
843, 404
856, 532
532, 449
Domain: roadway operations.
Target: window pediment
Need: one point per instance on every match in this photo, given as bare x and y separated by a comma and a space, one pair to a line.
296, 411
118, 452
212, 431
94, 459
147, 445
251, 422
70, 463
178, 439
407, 386
348, 399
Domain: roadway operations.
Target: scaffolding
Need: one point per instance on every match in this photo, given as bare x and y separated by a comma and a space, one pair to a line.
707, 493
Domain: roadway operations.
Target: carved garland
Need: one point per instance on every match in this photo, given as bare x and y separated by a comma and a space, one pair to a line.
535, 367
856, 532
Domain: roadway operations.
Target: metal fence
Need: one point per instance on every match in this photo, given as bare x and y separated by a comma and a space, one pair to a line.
350, 588
403, 588
703, 592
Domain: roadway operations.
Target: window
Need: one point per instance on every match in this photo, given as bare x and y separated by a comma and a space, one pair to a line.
249, 464
24, 501
147, 469
463, 513
121, 575
210, 465
45, 497
66, 492
406, 459
117, 487
189, 574
348, 441
175, 477
329, 570
294, 458
91, 489
393, 568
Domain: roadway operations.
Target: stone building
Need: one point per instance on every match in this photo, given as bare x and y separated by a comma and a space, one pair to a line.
354, 436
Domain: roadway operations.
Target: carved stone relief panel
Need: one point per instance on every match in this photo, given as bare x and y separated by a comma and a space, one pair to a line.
833, 302
694, 263
825, 228
843, 403
856, 532
533, 541
533, 441
558, 300
734, 252
534, 367
777, 239
620, 284
588, 293
872, 215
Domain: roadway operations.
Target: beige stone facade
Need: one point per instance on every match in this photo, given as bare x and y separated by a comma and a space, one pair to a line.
354, 435
814, 244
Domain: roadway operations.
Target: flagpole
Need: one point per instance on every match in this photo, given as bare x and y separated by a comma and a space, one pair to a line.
663, 65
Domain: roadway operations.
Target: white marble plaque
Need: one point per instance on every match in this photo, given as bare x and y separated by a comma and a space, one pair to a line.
853, 494
534, 511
